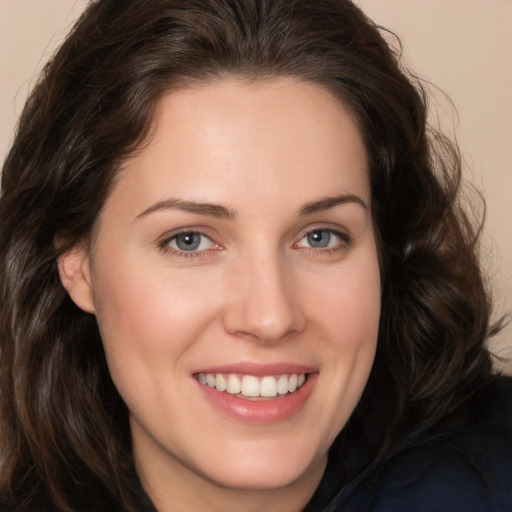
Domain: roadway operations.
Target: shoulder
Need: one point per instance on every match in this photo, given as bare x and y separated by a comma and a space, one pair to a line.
463, 465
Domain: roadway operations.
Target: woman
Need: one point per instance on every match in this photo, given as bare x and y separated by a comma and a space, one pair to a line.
235, 274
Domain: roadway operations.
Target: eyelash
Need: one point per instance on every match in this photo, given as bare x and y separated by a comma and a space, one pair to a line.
343, 244
164, 245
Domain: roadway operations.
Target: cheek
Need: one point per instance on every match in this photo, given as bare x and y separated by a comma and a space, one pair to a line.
144, 301
147, 325
348, 305
344, 316
145, 319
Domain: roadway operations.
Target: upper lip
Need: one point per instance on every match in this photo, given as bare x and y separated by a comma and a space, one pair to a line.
259, 369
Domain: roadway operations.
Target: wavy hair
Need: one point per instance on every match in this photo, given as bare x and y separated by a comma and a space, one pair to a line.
64, 435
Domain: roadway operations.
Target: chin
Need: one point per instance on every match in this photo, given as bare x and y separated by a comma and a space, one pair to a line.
266, 469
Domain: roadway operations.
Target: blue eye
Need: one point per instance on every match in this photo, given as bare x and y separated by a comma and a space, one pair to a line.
190, 242
319, 238
322, 239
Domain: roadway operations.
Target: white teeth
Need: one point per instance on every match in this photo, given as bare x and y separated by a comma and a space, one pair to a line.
251, 386
292, 383
221, 382
268, 386
282, 385
234, 385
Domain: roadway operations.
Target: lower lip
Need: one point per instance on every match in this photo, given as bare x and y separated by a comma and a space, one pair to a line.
265, 411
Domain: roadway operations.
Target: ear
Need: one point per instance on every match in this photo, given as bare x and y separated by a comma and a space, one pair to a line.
75, 275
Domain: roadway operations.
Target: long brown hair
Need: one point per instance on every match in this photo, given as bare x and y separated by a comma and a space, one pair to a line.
64, 436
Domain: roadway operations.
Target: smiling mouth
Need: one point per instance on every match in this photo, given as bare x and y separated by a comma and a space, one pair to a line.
251, 387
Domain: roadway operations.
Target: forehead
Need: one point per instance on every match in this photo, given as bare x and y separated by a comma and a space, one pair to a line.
232, 136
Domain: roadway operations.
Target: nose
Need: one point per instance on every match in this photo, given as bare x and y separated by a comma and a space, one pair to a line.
264, 303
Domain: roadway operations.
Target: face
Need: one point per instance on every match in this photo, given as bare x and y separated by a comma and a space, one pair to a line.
235, 280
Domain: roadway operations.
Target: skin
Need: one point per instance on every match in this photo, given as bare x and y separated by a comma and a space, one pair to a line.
255, 290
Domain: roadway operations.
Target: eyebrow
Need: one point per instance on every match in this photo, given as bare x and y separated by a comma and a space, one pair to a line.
221, 212
212, 210
330, 202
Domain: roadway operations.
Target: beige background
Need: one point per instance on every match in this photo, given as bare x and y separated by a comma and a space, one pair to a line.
462, 46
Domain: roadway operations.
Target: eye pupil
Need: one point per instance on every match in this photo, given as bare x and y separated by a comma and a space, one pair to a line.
188, 241
319, 238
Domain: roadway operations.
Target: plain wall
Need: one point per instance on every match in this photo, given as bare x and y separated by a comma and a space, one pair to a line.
462, 46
